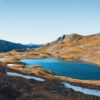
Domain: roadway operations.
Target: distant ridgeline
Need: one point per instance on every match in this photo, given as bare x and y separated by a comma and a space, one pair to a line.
6, 46
34, 45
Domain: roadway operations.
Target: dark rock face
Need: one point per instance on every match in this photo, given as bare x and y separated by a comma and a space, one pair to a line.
10, 92
66, 38
57, 87
71, 37
3, 77
2, 70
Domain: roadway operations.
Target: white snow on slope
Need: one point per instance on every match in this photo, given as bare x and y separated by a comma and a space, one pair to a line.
83, 90
25, 76
10, 65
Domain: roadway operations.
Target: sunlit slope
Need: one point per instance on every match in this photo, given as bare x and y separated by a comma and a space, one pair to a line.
75, 47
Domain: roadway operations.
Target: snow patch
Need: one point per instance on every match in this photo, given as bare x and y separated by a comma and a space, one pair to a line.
25, 76
83, 90
10, 65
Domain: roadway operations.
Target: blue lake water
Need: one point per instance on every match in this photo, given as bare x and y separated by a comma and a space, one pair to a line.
73, 69
29, 52
2, 58
27, 68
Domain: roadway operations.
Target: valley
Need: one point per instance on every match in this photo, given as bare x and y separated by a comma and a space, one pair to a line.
64, 69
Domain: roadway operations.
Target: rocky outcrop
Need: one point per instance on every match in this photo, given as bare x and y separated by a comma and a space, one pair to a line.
75, 47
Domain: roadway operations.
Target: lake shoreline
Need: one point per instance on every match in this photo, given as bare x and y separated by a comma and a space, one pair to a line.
66, 79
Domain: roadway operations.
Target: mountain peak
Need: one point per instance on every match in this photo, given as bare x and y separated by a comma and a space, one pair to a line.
75, 35
70, 37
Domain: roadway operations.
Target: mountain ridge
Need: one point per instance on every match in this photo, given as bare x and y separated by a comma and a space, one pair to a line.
6, 46
75, 47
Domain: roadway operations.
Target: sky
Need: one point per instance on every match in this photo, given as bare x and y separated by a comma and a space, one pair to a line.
42, 21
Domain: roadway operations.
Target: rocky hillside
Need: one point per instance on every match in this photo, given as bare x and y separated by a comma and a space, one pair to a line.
75, 47
7, 46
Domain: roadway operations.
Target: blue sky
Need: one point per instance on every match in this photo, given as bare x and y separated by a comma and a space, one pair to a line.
41, 21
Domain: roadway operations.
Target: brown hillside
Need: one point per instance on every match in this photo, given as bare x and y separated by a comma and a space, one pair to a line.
74, 47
